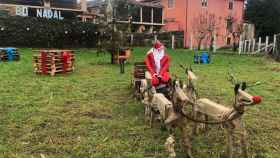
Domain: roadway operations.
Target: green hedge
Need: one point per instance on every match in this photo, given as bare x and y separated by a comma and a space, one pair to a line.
46, 33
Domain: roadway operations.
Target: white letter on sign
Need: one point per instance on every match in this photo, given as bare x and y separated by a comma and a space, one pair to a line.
55, 15
39, 13
59, 15
50, 14
45, 13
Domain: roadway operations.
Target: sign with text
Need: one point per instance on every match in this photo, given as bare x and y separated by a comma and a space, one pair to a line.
47, 13
23, 2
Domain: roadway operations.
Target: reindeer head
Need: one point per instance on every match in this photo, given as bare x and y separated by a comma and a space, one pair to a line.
189, 72
191, 76
243, 98
179, 98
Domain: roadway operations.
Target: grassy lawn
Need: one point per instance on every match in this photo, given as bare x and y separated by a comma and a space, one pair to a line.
91, 113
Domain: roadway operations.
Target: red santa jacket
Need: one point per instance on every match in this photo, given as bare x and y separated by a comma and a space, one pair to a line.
150, 63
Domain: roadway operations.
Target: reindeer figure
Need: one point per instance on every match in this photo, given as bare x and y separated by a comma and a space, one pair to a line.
230, 118
189, 89
165, 109
179, 101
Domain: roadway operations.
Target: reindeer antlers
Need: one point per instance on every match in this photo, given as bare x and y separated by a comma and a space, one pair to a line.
185, 68
234, 81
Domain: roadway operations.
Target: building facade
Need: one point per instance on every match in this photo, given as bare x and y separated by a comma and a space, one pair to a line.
188, 16
144, 16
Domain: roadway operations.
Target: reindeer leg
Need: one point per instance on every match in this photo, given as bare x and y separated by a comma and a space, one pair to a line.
186, 143
205, 125
169, 145
147, 113
243, 138
229, 142
195, 116
244, 144
151, 119
185, 138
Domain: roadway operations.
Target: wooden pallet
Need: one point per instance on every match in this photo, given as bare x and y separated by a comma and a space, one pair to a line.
53, 62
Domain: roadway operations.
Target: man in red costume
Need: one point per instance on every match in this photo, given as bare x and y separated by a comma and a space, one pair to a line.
157, 62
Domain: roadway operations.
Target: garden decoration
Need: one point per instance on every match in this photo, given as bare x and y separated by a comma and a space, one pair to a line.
230, 118
183, 95
9, 54
159, 106
123, 57
204, 58
139, 80
171, 110
166, 111
52, 62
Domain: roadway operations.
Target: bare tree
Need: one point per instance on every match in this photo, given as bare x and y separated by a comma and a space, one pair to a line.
205, 27
235, 29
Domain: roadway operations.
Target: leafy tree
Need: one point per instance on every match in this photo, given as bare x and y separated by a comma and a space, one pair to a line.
265, 15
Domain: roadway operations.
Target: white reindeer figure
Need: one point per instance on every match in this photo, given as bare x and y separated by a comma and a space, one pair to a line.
229, 117
161, 107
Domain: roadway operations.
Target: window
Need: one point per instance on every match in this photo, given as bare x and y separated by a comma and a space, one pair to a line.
170, 3
204, 3
230, 5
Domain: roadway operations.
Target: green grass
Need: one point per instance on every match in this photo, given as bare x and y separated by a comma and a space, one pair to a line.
91, 113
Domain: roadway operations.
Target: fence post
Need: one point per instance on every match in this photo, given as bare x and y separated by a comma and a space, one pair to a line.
240, 45
155, 38
245, 46
249, 46
274, 43
214, 44
254, 45
266, 43
259, 45
131, 39
173, 41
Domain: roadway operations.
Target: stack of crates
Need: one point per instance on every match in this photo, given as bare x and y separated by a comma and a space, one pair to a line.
52, 62
9, 54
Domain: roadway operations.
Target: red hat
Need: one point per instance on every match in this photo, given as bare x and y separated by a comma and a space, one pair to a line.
158, 45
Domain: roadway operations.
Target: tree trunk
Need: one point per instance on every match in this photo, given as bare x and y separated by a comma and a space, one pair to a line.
235, 46
212, 44
199, 44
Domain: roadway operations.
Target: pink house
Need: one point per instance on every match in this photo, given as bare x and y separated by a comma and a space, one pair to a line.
182, 15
